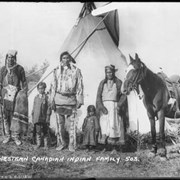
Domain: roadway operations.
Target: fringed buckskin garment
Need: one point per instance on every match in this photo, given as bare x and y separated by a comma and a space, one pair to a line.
68, 83
19, 121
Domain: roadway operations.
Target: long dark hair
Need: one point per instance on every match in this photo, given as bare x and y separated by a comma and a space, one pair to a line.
43, 84
67, 53
91, 108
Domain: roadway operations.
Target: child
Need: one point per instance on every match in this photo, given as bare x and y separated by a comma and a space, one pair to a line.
41, 115
90, 128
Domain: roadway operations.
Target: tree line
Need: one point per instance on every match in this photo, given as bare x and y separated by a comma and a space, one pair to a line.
35, 72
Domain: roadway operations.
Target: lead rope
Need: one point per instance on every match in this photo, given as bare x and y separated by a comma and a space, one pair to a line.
138, 136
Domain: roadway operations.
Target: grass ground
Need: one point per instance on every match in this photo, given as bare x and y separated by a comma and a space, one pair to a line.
126, 163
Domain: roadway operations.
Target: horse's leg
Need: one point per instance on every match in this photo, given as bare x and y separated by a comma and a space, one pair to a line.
151, 116
153, 129
161, 117
153, 134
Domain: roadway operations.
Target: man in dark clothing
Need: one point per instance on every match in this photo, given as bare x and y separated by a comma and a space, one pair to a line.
12, 80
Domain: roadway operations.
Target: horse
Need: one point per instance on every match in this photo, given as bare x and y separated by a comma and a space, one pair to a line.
156, 97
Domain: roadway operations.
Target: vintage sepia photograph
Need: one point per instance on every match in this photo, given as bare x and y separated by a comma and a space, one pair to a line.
89, 90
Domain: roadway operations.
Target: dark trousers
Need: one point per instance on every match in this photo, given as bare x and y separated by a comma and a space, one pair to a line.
41, 129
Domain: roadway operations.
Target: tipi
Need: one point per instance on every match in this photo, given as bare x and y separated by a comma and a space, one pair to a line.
92, 46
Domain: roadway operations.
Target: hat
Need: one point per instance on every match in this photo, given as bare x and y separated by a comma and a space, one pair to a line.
111, 67
12, 52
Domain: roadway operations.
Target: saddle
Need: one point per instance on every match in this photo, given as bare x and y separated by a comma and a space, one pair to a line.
173, 86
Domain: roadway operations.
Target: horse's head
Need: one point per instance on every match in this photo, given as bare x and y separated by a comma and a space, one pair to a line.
134, 75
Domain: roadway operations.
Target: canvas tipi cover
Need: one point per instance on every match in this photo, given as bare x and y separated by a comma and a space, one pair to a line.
98, 51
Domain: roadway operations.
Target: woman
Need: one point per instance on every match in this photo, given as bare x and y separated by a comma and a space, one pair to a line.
109, 104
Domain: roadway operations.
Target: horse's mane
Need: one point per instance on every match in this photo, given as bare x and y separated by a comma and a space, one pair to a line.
147, 71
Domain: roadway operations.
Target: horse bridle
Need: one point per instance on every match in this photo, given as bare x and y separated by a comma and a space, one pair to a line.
135, 81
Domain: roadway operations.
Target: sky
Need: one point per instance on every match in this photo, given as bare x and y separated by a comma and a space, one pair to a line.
153, 31
37, 31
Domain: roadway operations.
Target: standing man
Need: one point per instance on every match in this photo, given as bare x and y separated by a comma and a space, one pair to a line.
109, 103
67, 98
12, 80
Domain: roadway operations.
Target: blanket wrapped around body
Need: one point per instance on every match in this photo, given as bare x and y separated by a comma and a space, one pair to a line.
19, 121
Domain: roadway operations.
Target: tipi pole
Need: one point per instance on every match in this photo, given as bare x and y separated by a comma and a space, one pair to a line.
73, 50
36, 71
90, 33
39, 82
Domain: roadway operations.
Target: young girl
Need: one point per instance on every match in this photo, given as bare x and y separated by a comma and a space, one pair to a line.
90, 128
41, 115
